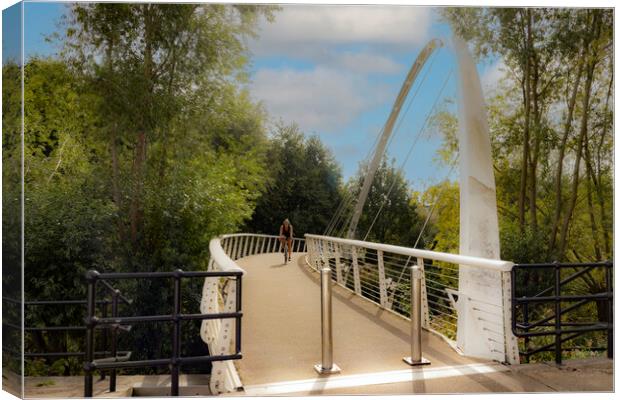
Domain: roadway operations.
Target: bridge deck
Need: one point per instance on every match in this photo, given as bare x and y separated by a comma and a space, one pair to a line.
281, 342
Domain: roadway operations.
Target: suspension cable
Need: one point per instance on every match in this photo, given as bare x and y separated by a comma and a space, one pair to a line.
428, 217
349, 196
428, 115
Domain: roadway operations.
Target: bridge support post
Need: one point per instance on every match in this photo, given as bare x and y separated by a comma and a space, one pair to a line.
416, 319
327, 365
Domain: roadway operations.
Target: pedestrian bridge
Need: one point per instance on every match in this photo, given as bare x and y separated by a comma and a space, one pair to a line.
281, 324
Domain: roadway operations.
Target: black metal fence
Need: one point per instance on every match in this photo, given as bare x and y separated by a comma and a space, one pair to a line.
109, 336
175, 317
563, 302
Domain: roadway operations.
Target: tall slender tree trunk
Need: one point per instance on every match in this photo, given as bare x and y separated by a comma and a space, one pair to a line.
591, 179
136, 211
580, 142
139, 163
536, 137
567, 129
113, 135
599, 172
116, 192
526, 129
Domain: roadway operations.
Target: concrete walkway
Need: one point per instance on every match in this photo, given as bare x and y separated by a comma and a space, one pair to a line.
281, 343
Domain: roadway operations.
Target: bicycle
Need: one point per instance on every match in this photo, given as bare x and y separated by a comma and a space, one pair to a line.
284, 248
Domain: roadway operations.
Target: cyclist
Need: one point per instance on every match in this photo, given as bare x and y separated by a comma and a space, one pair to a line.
286, 236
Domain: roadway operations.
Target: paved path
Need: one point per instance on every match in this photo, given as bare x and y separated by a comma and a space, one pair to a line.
281, 343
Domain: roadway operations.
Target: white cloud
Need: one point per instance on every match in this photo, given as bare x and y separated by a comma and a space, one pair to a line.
317, 99
368, 63
341, 47
306, 29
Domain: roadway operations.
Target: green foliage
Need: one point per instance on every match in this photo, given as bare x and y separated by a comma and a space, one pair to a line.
549, 125
390, 214
305, 185
139, 148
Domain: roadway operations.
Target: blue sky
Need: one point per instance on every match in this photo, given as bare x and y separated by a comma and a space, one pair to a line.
336, 71
11, 27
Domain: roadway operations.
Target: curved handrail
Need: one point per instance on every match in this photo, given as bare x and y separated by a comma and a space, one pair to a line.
496, 265
224, 262
220, 296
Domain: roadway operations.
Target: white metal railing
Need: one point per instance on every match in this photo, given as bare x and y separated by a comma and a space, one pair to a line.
380, 273
220, 295
241, 245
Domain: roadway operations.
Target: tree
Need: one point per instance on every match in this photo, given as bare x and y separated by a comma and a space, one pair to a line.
555, 60
305, 185
140, 147
166, 57
390, 215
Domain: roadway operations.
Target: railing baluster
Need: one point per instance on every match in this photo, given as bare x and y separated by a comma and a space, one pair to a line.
104, 339
238, 304
558, 318
226, 246
338, 264
382, 283
526, 321
235, 252
176, 336
114, 339
246, 242
91, 277
356, 271
610, 312
426, 318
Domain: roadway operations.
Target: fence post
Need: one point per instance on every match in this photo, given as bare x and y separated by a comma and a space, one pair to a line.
114, 339
246, 242
91, 278
382, 284
327, 365
526, 321
310, 244
610, 311
338, 265
416, 319
356, 271
558, 317
275, 245
256, 245
104, 338
235, 246
426, 318
176, 335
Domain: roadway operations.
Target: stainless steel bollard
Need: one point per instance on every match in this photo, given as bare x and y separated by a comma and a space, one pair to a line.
416, 319
327, 365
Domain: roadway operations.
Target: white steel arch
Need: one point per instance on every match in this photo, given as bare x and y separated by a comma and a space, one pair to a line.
479, 231
387, 132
